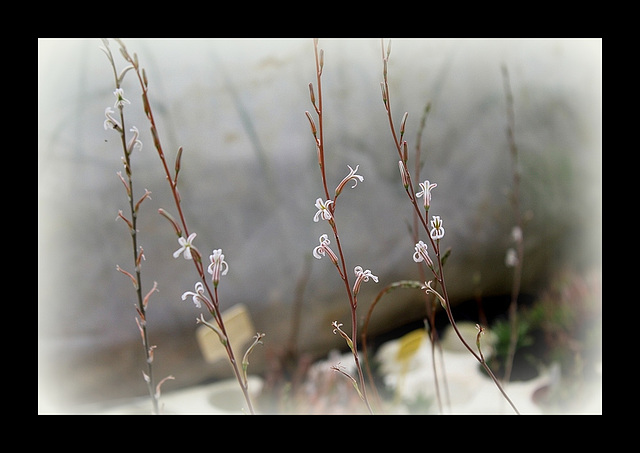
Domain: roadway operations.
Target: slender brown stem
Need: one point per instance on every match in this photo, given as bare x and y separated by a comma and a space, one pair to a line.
133, 210
439, 273
515, 204
365, 326
342, 269
174, 190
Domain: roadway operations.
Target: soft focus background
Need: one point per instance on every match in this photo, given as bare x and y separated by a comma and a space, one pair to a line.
250, 178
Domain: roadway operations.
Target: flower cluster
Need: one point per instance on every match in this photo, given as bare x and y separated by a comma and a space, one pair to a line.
325, 212
218, 265
437, 230
111, 123
217, 268
511, 258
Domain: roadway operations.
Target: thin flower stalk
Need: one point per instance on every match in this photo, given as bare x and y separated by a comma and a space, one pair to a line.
352, 176
436, 232
134, 207
365, 327
180, 225
257, 339
515, 255
326, 211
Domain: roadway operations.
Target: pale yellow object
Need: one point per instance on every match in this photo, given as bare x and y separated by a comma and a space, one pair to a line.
409, 345
240, 331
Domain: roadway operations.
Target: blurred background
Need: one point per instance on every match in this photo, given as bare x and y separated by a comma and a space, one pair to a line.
249, 180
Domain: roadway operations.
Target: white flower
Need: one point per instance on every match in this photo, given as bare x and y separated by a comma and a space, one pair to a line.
351, 176
120, 99
218, 266
362, 276
426, 192
511, 259
134, 142
324, 249
185, 246
437, 231
110, 122
198, 296
516, 234
421, 254
323, 210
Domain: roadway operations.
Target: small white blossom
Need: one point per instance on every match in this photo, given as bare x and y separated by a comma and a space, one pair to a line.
351, 176
324, 249
134, 142
511, 258
198, 296
185, 246
218, 266
516, 234
362, 276
426, 192
421, 254
120, 99
437, 231
323, 210
110, 122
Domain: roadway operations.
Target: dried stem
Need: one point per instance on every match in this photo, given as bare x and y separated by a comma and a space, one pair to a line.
365, 326
342, 266
138, 254
197, 259
515, 204
429, 301
435, 243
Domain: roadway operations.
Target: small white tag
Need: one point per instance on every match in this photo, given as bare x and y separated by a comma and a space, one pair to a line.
240, 331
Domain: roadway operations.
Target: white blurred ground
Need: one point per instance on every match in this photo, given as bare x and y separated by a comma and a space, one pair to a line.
409, 378
470, 391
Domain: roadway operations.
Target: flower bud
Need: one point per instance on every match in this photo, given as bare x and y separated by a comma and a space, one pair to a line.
170, 218
403, 123
177, 166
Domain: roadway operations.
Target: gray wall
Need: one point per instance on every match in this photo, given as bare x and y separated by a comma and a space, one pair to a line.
250, 179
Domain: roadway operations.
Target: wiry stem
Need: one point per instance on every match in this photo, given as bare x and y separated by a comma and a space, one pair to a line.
515, 204
319, 136
176, 196
137, 252
439, 273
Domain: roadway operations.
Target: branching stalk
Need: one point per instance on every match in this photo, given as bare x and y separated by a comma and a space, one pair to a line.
197, 259
342, 266
438, 272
